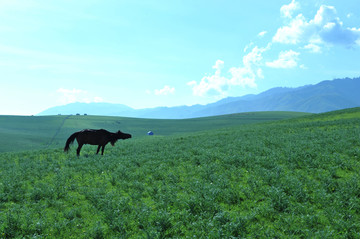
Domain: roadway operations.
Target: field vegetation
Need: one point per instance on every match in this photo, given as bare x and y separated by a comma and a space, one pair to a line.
297, 178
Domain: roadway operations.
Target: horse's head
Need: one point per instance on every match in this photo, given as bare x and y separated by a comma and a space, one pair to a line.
118, 135
122, 135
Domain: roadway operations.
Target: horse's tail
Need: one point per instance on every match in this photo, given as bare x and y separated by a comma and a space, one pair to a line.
70, 140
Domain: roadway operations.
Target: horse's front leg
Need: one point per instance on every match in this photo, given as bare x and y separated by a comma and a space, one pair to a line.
102, 150
98, 149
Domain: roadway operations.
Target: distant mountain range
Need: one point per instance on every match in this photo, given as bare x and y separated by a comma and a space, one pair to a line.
322, 97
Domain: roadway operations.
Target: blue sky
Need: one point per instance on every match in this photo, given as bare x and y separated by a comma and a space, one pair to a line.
167, 53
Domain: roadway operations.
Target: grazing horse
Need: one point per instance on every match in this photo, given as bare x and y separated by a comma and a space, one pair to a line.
98, 137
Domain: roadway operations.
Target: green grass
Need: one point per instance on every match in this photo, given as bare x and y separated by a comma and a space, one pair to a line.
297, 178
20, 133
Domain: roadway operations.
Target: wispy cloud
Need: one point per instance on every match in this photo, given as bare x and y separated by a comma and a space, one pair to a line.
17, 5
67, 96
40, 56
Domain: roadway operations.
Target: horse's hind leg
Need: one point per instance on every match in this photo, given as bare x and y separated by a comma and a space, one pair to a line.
98, 149
78, 149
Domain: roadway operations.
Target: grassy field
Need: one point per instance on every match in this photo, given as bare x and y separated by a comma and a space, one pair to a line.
296, 178
19, 133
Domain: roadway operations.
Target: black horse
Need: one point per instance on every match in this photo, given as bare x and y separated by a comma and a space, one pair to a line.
98, 137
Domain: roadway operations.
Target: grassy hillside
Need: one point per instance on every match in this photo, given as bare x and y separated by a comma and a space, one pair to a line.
19, 133
297, 178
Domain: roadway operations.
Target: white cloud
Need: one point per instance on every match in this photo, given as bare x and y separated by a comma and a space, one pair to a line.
219, 64
165, 91
76, 95
244, 76
287, 59
325, 14
248, 46
293, 33
247, 75
70, 96
98, 99
313, 48
324, 28
255, 56
211, 85
302, 66
287, 10
262, 34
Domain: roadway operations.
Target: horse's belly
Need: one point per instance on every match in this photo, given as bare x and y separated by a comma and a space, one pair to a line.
95, 142
92, 143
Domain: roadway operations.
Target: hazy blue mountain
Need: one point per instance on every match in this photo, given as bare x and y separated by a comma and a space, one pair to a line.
88, 108
322, 97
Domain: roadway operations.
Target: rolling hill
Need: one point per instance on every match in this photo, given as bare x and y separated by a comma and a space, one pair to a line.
19, 133
322, 97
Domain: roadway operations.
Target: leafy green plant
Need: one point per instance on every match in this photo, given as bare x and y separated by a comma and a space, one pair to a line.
295, 178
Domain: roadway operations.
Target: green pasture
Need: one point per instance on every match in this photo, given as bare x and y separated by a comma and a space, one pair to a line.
294, 178
19, 133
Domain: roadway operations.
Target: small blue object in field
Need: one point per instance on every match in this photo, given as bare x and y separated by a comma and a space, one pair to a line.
150, 133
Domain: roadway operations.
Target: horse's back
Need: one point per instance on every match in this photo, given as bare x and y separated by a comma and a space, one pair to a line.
94, 131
